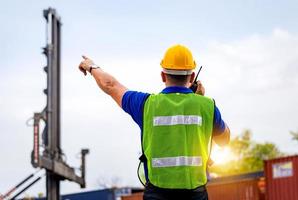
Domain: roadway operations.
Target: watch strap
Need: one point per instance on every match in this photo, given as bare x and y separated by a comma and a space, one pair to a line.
93, 67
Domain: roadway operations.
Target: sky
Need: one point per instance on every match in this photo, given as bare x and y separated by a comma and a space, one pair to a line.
248, 50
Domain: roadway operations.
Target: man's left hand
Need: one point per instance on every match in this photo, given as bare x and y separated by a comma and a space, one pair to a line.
200, 89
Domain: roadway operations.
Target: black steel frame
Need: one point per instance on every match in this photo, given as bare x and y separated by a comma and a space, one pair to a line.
51, 158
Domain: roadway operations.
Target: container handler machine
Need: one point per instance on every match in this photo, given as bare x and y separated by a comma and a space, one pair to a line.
50, 156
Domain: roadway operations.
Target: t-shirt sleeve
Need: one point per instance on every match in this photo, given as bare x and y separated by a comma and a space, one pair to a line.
133, 103
219, 125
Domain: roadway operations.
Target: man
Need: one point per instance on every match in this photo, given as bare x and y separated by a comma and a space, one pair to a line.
177, 127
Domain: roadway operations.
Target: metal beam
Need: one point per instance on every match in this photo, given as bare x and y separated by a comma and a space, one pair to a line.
53, 101
51, 159
61, 169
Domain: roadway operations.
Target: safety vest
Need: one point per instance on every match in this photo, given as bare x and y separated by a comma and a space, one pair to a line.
176, 139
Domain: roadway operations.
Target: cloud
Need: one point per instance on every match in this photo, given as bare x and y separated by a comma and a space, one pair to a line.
258, 63
255, 83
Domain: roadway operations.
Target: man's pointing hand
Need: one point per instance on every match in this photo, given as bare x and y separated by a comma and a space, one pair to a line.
85, 65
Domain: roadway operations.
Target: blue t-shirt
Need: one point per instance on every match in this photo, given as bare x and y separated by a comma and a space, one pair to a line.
133, 103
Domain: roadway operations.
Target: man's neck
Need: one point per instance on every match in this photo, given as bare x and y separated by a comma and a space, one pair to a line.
177, 85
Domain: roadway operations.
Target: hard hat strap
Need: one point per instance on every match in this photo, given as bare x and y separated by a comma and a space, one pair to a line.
177, 72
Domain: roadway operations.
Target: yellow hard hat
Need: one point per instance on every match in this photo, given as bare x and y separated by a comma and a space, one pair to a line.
178, 60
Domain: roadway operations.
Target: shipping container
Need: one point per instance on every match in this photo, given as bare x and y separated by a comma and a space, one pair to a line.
249, 186
282, 178
135, 196
104, 194
239, 187
107, 194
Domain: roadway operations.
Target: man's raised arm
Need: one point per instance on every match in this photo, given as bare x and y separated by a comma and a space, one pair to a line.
104, 80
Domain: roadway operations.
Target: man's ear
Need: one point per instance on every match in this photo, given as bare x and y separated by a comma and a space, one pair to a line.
192, 77
163, 77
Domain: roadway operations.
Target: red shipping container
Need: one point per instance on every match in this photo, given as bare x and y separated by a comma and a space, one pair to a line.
239, 187
135, 196
282, 178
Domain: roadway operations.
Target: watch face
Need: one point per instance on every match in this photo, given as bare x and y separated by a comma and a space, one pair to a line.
93, 67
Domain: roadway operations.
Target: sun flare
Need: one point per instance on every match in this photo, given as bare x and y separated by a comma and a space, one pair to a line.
221, 155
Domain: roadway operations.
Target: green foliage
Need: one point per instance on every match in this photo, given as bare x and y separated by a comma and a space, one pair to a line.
295, 135
248, 155
261, 152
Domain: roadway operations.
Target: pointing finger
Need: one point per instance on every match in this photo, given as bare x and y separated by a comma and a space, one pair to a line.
85, 57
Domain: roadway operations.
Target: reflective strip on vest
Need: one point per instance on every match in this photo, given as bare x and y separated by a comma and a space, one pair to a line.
177, 161
177, 119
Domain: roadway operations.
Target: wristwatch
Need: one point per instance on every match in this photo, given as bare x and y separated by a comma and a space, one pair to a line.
93, 66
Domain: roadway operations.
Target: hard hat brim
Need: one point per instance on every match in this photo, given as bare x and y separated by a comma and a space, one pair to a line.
177, 72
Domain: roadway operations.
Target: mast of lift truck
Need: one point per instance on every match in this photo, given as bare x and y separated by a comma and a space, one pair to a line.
51, 158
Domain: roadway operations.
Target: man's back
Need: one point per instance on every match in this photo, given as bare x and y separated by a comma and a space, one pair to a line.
176, 139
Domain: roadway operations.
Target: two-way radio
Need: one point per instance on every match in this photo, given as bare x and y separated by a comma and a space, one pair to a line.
194, 85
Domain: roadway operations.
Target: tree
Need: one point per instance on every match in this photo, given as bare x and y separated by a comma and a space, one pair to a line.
248, 155
295, 135
261, 152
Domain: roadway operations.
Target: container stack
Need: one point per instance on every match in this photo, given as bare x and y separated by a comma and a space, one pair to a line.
282, 178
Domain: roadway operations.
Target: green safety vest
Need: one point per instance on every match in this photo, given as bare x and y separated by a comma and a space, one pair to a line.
177, 130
